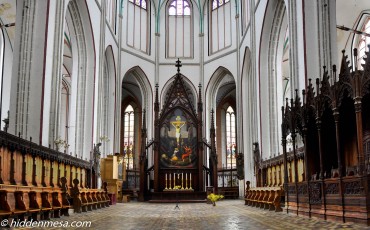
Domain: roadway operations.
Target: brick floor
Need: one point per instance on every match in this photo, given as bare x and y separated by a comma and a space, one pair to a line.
227, 214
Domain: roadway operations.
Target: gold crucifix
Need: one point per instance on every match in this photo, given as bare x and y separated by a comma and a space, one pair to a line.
178, 124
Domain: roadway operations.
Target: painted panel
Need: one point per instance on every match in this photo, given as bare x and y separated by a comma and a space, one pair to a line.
178, 142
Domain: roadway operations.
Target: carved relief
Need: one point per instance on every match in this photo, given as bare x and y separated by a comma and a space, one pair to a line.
332, 188
302, 189
315, 193
353, 188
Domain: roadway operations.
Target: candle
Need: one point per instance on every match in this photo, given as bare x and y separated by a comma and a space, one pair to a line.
182, 176
186, 176
166, 176
190, 176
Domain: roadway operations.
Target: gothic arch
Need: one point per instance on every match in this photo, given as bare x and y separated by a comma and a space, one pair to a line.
270, 72
188, 83
136, 77
221, 93
107, 103
141, 80
220, 77
249, 125
82, 79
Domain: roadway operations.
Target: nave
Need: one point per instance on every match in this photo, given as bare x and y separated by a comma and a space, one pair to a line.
227, 214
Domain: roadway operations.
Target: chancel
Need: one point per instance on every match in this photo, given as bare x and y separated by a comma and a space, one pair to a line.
114, 110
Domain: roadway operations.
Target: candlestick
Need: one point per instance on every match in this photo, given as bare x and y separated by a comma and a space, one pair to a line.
166, 182
182, 180
170, 182
186, 180
190, 183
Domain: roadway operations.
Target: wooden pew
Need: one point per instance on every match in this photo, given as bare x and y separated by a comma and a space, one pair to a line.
17, 204
264, 197
5, 211
65, 197
105, 194
91, 204
56, 204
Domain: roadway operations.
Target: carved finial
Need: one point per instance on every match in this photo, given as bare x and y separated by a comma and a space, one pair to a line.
200, 92
317, 86
304, 96
335, 73
355, 59
296, 93
156, 93
178, 65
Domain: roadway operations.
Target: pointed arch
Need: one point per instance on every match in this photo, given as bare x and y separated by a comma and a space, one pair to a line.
81, 77
221, 94
271, 66
137, 89
188, 83
107, 103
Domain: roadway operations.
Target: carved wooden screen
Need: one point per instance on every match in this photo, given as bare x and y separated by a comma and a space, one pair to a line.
177, 137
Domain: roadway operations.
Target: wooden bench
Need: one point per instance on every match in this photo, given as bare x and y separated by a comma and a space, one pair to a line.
56, 204
65, 197
88, 199
42, 203
264, 197
5, 211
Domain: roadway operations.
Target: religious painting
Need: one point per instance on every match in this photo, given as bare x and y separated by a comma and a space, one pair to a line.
178, 141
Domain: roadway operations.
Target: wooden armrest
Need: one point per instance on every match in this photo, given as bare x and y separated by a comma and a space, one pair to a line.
18, 211
5, 213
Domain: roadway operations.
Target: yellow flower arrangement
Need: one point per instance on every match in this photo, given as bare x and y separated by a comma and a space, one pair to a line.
213, 198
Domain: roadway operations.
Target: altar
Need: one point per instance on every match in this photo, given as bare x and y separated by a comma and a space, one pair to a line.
178, 171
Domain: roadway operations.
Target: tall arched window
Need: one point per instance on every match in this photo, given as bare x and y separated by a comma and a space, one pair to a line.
363, 42
230, 138
220, 25
128, 137
138, 25
179, 33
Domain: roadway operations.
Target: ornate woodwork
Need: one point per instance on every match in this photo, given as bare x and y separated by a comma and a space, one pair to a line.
334, 126
178, 145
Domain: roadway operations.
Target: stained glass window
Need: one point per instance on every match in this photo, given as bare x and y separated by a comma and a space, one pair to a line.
217, 3
141, 3
179, 31
128, 137
230, 138
179, 7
